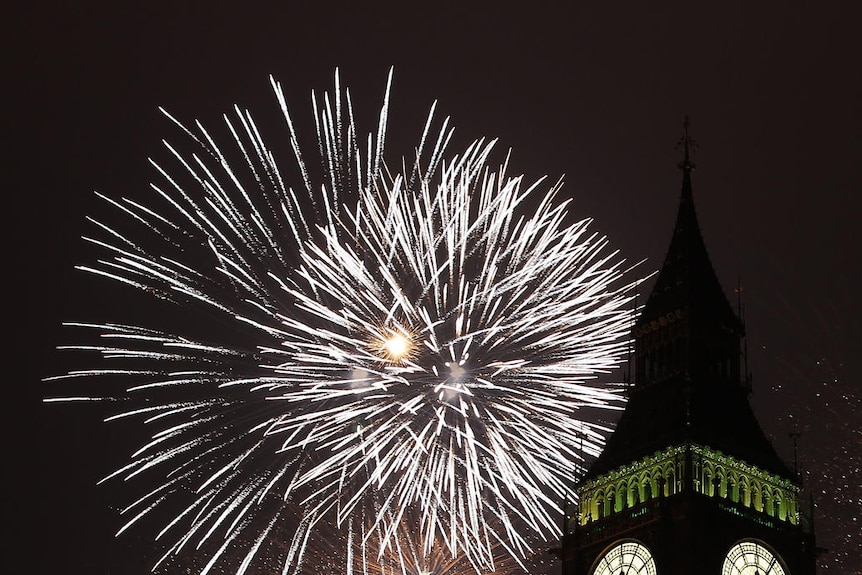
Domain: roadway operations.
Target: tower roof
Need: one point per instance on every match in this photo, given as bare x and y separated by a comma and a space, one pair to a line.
687, 386
687, 279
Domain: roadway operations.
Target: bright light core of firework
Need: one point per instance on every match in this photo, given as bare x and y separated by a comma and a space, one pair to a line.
412, 342
396, 347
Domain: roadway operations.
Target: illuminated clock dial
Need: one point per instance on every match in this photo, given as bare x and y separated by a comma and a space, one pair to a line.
626, 558
751, 558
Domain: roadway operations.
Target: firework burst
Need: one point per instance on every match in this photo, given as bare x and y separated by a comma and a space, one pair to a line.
375, 342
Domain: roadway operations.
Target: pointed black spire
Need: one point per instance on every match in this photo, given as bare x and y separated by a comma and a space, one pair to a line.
695, 331
687, 384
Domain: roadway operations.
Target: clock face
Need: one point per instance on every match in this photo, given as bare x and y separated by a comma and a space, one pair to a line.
750, 558
626, 558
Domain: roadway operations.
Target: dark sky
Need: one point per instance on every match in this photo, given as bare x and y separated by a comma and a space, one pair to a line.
595, 93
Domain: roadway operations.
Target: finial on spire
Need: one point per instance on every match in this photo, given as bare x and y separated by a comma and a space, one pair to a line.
688, 144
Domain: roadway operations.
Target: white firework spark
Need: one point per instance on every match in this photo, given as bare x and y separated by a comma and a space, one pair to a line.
373, 343
407, 555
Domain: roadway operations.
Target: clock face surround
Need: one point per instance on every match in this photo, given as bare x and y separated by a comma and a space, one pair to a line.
629, 557
751, 558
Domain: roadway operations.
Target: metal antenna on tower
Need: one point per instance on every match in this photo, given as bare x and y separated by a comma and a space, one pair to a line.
688, 144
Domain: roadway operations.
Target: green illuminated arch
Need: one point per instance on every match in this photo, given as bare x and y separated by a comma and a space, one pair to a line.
698, 468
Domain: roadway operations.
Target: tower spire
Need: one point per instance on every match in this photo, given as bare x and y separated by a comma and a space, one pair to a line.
687, 358
688, 468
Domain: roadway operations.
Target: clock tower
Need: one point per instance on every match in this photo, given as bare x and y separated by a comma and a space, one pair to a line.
688, 483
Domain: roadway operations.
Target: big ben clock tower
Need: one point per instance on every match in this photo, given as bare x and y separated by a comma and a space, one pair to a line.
688, 483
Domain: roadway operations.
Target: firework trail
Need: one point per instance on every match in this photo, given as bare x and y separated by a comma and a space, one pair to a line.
367, 343
406, 556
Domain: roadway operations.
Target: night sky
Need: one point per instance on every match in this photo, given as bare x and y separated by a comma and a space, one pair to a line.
597, 94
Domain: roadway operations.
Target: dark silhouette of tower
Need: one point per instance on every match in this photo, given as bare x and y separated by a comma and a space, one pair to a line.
688, 483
